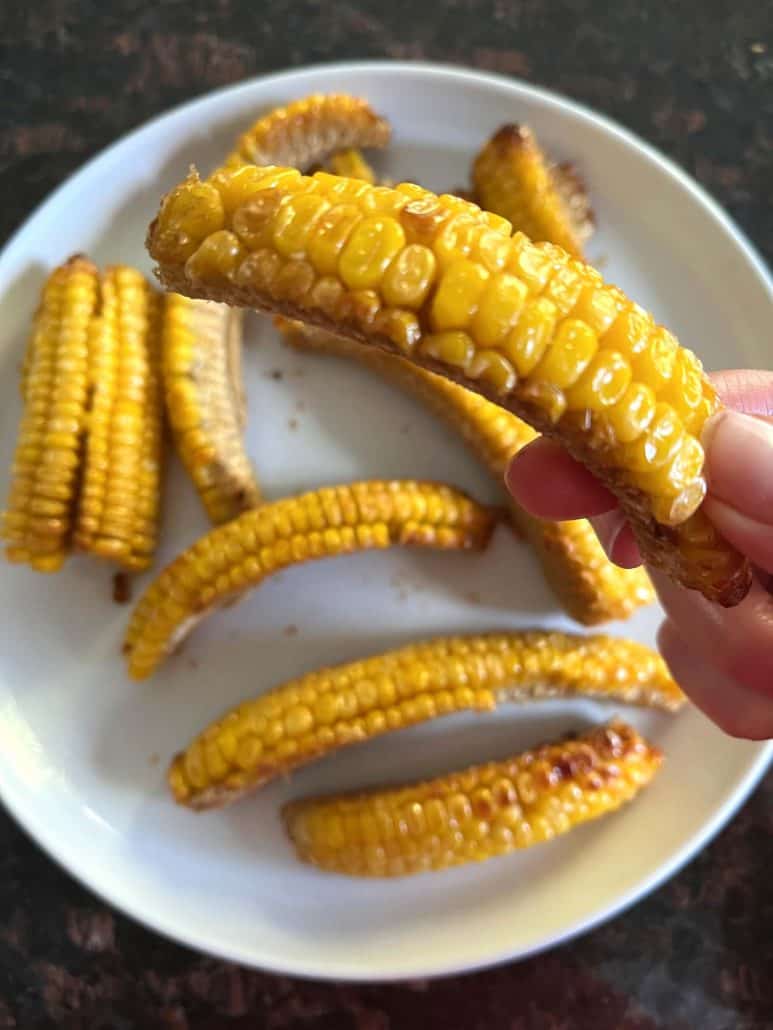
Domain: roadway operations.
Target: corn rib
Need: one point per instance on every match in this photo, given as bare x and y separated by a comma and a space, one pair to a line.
38, 522
119, 502
316, 714
471, 816
319, 524
589, 587
307, 131
512, 177
437, 280
201, 351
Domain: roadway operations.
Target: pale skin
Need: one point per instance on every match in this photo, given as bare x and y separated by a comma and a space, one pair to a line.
722, 657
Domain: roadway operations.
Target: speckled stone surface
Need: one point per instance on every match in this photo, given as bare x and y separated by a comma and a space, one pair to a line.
694, 78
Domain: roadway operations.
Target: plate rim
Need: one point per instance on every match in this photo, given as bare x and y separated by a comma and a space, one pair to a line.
122, 899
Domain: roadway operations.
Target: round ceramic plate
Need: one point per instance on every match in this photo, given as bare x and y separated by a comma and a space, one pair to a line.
83, 751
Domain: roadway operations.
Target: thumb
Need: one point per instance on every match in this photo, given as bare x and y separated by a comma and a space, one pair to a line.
739, 469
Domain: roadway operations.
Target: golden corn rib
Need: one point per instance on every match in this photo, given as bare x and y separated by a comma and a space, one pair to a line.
308, 130
311, 716
351, 164
512, 177
589, 586
201, 369
37, 524
471, 816
319, 524
120, 491
437, 280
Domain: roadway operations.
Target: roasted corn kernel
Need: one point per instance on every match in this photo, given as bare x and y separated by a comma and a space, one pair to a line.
590, 587
309, 130
37, 524
118, 507
320, 524
351, 164
201, 367
331, 708
477, 814
512, 177
539, 371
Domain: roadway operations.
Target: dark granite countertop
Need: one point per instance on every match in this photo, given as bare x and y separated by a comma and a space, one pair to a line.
694, 78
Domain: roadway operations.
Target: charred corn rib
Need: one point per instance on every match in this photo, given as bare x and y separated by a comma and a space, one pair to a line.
309, 130
37, 524
318, 713
201, 359
512, 177
119, 501
320, 524
589, 586
352, 165
471, 816
437, 280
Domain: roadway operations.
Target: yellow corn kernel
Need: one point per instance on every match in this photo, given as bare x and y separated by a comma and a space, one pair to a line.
189, 214
493, 371
201, 371
217, 257
350, 164
409, 276
528, 341
330, 235
218, 566
588, 585
547, 348
603, 382
499, 309
308, 130
293, 224
512, 177
39, 515
659, 442
457, 295
604, 768
406, 687
371, 247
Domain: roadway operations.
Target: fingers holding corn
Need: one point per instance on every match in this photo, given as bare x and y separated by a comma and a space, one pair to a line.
471, 816
320, 524
201, 352
437, 280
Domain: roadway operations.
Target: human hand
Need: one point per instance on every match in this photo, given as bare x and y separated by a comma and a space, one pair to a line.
722, 657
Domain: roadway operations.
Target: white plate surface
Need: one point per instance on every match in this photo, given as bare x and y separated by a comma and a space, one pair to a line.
82, 751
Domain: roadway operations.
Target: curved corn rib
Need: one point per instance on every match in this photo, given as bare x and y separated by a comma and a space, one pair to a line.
477, 814
309, 717
201, 351
319, 524
37, 524
119, 502
512, 177
307, 131
438, 280
589, 586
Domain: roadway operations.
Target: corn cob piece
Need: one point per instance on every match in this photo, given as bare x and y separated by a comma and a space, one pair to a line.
589, 586
437, 280
309, 717
512, 177
471, 816
319, 524
201, 369
307, 131
119, 501
352, 165
37, 525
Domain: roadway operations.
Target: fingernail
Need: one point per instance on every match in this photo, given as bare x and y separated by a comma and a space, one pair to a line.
739, 463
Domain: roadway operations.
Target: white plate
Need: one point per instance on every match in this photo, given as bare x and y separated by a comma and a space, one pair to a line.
82, 751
